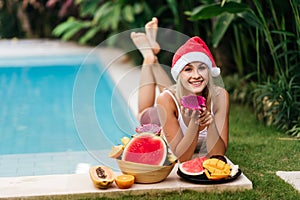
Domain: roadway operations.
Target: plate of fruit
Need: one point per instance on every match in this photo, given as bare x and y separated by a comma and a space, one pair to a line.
214, 170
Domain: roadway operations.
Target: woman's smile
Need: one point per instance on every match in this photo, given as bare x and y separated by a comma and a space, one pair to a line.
197, 83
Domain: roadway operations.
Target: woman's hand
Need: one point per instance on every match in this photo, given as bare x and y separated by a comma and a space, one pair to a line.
201, 117
205, 117
192, 114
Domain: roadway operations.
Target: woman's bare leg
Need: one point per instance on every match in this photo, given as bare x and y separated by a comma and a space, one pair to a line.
161, 77
151, 31
146, 95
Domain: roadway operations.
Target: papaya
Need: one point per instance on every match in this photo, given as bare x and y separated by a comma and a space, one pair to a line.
102, 176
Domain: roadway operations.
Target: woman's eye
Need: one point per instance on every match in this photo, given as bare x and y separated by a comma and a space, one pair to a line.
188, 69
202, 67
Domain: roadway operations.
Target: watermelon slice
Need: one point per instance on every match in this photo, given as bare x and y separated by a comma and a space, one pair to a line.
193, 167
152, 128
193, 102
146, 148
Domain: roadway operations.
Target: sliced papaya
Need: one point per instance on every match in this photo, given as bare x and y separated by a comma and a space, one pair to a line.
102, 176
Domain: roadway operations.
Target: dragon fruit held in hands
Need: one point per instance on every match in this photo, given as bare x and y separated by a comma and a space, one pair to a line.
193, 102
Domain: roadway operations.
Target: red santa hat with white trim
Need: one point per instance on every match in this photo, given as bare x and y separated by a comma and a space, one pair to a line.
193, 50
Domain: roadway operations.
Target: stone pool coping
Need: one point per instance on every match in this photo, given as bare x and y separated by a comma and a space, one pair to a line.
291, 177
80, 185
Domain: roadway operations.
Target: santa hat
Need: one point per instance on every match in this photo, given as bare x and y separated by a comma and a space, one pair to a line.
193, 50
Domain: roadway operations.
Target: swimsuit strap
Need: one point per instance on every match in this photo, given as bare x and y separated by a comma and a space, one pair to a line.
174, 99
179, 118
212, 108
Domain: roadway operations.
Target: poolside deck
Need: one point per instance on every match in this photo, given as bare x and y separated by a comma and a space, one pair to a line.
73, 186
80, 185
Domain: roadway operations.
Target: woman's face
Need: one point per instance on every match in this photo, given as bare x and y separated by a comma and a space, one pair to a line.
194, 78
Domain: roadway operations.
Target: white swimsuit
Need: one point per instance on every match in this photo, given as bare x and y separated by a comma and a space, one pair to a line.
202, 133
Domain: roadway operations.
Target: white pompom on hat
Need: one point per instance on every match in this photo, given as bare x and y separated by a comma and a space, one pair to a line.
193, 50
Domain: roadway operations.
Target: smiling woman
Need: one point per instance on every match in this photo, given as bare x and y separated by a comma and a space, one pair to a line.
41, 124
194, 70
189, 130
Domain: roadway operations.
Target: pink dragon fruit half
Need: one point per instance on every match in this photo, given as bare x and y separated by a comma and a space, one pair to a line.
193, 102
152, 128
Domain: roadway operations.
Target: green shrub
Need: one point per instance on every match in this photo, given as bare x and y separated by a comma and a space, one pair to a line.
239, 88
277, 103
98, 20
277, 97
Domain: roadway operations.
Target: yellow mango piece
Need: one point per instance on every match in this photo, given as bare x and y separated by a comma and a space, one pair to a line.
116, 151
216, 169
125, 140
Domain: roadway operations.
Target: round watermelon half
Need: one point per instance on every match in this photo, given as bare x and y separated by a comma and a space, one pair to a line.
193, 102
192, 167
146, 148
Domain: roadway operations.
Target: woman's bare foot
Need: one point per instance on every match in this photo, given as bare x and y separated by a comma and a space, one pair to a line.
151, 31
141, 42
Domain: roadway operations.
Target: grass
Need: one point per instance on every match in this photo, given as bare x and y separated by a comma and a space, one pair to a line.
260, 151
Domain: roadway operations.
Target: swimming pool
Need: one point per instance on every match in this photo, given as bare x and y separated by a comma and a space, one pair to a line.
57, 112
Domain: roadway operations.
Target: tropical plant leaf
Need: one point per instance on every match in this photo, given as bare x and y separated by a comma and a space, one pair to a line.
63, 27
251, 18
213, 10
88, 8
89, 34
295, 130
115, 17
102, 11
161, 10
138, 8
147, 10
173, 7
70, 33
128, 13
221, 26
286, 33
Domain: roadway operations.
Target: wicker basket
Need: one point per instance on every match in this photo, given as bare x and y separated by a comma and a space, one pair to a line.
144, 173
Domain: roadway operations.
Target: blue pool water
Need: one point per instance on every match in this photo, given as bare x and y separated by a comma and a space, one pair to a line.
56, 105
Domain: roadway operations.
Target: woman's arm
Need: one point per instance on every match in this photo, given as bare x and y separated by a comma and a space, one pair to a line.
217, 132
183, 146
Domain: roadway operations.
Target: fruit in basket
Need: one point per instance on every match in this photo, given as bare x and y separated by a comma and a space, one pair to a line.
216, 169
146, 148
152, 128
124, 181
101, 176
125, 140
116, 151
192, 167
193, 102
